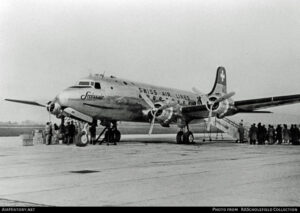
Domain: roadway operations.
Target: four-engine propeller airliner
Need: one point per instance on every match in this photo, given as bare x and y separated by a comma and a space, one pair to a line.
110, 99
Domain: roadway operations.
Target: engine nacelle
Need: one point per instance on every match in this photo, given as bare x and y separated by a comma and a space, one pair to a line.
164, 117
221, 109
54, 108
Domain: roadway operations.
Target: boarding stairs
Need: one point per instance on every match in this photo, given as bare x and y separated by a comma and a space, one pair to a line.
229, 127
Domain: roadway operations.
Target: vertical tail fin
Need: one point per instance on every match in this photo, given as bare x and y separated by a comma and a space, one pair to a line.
220, 86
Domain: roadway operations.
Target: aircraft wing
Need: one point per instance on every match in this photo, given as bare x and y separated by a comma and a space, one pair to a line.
262, 103
26, 102
198, 111
244, 106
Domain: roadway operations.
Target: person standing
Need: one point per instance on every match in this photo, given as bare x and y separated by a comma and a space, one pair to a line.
264, 134
92, 131
253, 134
48, 133
72, 132
286, 134
62, 132
259, 134
297, 134
279, 134
67, 133
56, 134
270, 134
294, 135
241, 131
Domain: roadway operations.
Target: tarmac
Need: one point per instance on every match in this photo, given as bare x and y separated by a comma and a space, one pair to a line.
149, 171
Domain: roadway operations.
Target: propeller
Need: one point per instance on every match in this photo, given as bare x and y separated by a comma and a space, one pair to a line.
212, 103
155, 110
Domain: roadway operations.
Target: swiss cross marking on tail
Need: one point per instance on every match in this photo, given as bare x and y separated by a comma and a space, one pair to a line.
222, 75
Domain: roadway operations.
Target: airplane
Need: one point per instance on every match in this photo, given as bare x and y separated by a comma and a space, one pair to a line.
110, 99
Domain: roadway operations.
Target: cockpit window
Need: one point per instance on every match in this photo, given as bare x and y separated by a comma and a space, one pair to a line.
84, 83
97, 85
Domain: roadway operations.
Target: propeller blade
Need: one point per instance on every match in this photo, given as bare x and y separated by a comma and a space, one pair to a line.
152, 123
147, 100
26, 102
201, 94
209, 118
151, 126
224, 97
195, 90
167, 105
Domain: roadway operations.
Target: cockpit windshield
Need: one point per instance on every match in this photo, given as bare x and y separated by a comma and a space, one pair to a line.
84, 83
87, 84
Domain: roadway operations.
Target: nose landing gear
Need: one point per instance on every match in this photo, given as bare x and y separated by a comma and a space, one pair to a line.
83, 139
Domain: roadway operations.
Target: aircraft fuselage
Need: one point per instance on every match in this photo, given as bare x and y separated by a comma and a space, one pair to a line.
119, 99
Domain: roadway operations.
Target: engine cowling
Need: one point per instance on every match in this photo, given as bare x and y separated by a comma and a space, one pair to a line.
54, 108
165, 116
219, 109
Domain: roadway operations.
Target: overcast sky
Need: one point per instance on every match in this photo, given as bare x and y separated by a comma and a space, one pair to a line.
46, 46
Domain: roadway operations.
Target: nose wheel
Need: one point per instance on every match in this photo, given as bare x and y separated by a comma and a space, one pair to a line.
83, 139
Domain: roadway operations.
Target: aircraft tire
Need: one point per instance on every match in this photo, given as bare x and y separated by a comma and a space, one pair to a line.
83, 140
188, 138
179, 137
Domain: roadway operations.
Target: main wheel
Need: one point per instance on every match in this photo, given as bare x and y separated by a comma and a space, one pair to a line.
188, 138
83, 139
179, 137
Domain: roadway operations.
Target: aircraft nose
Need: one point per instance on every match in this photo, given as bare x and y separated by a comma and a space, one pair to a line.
63, 98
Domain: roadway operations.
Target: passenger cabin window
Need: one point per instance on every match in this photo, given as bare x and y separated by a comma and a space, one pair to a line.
97, 85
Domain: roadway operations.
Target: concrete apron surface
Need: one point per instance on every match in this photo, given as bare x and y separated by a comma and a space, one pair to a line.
145, 171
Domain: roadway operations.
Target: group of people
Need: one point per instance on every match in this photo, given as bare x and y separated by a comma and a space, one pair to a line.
67, 132
260, 134
64, 132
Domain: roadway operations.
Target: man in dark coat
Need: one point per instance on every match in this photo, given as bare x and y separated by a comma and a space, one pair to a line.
253, 134
279, 134
260, 134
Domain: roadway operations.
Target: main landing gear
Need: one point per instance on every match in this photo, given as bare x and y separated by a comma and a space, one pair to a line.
185, 137
112, 134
